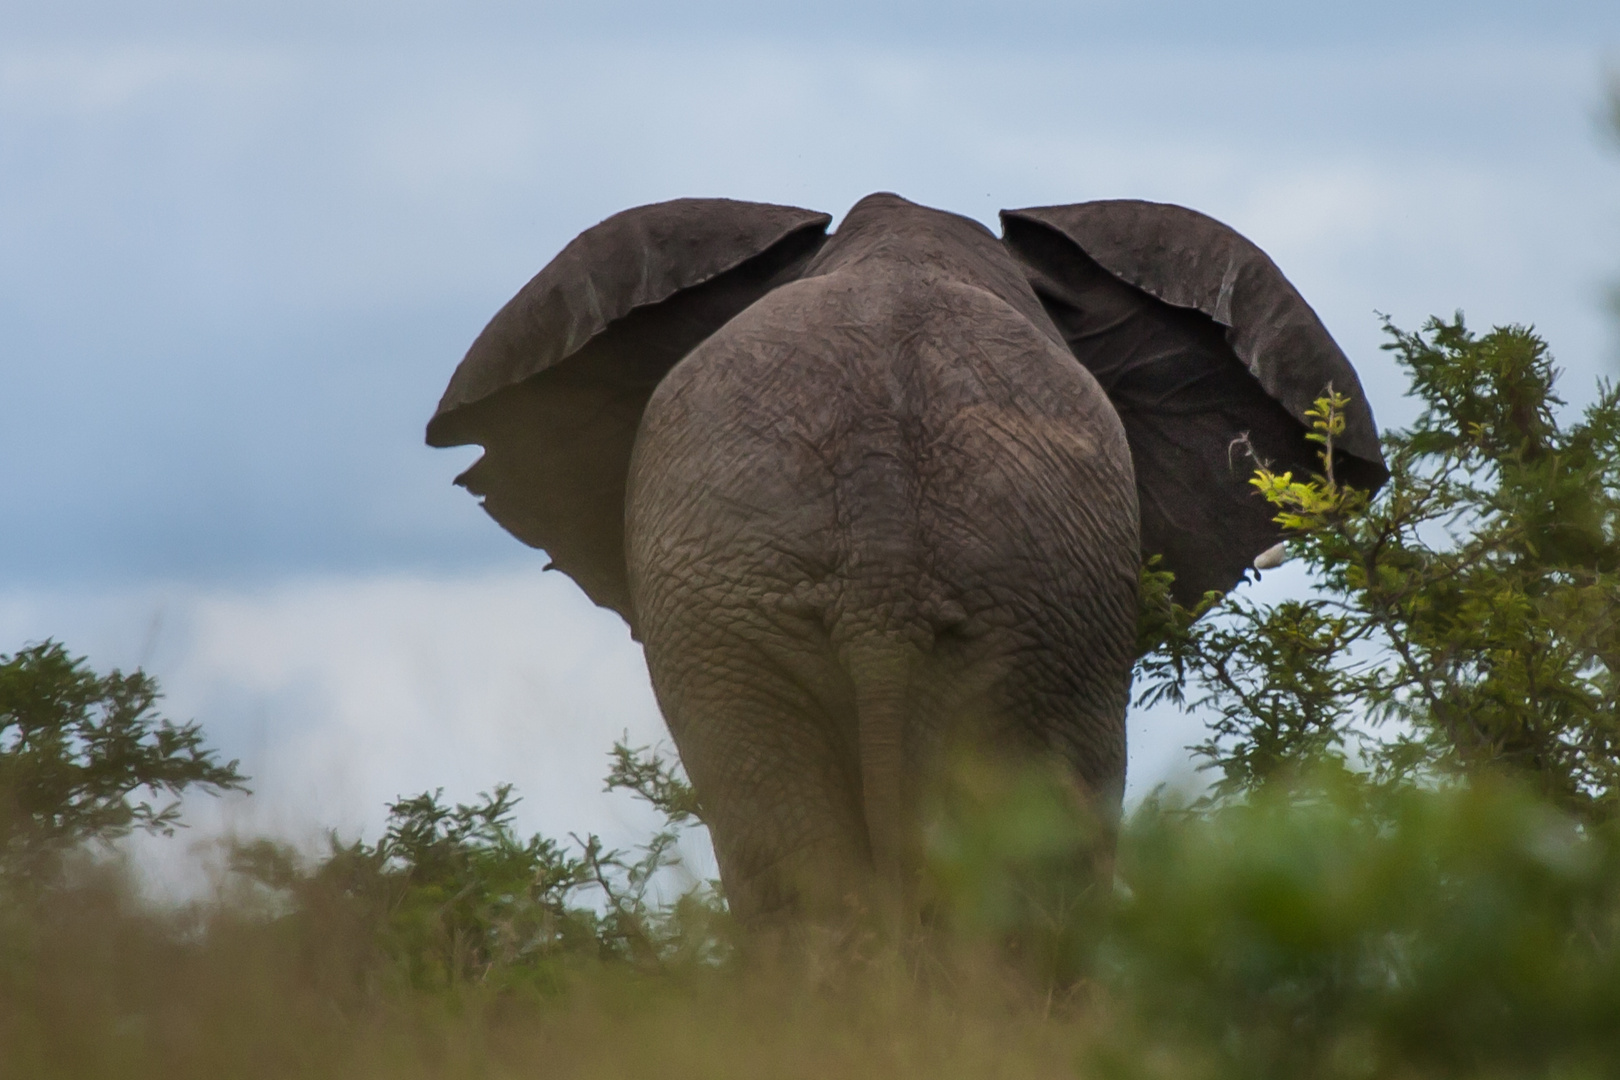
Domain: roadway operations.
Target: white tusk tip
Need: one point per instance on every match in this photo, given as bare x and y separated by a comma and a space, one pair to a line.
1271, 558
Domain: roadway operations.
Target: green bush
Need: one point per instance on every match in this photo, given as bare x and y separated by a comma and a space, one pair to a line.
1333, 931
1330, 928
1462, 620
76, 748
452, 895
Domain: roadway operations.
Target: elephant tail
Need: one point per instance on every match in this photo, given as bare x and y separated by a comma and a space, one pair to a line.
881, 672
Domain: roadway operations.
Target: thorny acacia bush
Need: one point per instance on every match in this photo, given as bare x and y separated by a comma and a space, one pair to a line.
1465, 618
77, 748
452, 895
1409, 865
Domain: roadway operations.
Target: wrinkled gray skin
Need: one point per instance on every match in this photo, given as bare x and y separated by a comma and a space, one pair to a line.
854, 537
868, 500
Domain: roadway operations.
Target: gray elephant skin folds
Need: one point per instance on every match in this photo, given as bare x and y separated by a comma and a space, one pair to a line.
870, 497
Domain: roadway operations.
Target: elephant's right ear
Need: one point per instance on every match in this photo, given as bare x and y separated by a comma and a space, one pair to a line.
1211, 359
555, 386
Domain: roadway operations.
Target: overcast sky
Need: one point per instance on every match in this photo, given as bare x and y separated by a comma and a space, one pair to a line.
243, 246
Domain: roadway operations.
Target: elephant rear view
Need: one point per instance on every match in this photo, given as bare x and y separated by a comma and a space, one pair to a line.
869, 498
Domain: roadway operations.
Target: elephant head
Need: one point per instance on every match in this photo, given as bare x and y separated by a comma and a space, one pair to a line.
866, 496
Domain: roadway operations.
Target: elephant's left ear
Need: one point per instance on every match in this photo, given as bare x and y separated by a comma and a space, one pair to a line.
555, 386
1210, 357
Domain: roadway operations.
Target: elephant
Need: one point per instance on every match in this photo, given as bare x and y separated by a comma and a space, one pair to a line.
867, 496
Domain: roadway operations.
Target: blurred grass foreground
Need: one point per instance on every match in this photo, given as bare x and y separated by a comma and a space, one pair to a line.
1408, 864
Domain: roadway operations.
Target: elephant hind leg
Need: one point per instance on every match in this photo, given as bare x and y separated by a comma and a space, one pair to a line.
761, 714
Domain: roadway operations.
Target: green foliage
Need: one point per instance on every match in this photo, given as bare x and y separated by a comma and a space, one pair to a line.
1017, 858
644, 771
1337, 926
1462, 620
454, 895
1329, 929
1332, 929
76, 748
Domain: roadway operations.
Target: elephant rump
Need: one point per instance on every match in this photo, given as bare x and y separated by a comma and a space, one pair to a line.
866, 521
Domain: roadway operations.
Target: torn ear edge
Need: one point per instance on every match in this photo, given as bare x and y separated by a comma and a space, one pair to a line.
555, 386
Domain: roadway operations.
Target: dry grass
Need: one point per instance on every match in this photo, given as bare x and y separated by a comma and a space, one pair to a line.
95, 987
1324, 933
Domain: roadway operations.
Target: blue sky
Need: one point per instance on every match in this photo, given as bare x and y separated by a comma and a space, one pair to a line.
1059, 23
243, 246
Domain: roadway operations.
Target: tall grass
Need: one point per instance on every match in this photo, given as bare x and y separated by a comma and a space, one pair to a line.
1323, 930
